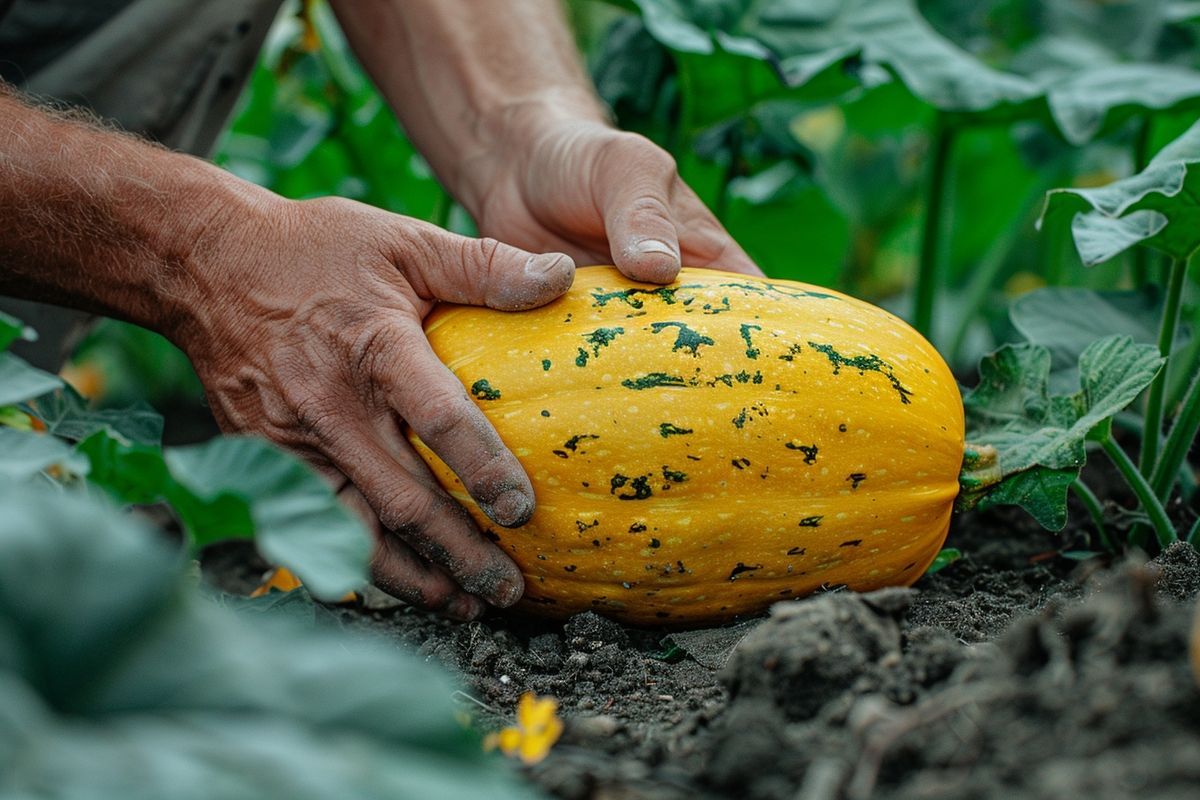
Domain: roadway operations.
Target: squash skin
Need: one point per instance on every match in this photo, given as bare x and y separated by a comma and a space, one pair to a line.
702, 450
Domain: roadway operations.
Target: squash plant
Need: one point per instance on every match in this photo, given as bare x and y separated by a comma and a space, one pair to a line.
119, 678
230, 487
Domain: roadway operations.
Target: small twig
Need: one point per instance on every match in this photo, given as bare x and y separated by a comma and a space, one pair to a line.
460, 694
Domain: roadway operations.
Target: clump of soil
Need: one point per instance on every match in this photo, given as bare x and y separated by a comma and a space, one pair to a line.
1011, 673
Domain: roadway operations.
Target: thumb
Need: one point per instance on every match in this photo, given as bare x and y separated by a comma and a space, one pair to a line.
485, 272
641, 233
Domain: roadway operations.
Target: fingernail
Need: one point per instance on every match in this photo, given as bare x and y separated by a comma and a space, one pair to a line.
546, 263
512, 509
508, 592
465, 608
656, 247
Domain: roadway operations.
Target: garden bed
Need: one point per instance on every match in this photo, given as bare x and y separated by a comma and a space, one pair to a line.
1013, 672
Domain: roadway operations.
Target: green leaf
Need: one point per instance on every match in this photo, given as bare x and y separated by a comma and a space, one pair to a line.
240, 488
297, 520
1158, 207
20, 382
1040, 438
769, 212
1040, 491
1097, 99
119, 680
807, 40
66, 414
24, 454
12, 329
945, 557
129, 473
1066, 320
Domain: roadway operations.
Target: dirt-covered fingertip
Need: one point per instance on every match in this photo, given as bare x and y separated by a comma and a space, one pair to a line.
649, 261
544, 277
511, 509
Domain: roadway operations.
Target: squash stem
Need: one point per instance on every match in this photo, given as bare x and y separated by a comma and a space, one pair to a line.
931, 235
1152, 430
1179, 442
1095, 510
1141, 488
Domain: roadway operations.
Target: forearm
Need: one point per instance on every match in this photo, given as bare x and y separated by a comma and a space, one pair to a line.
102, 221
462, 73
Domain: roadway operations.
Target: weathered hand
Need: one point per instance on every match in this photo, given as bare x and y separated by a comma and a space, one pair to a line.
598, 194
308, 331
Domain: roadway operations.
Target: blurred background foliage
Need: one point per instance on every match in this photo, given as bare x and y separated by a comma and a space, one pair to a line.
821, 133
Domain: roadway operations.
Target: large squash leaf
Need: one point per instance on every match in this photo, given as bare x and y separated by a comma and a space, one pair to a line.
1096, 99
1158, 207
24, 454
1066, 320
238, 487
66, 413
20, 382
119, 680
1039, 436
807, 40
1083, 89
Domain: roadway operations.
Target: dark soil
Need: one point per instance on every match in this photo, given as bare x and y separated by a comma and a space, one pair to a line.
1012, 673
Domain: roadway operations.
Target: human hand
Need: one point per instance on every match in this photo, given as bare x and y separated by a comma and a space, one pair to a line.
305, 327
597, 194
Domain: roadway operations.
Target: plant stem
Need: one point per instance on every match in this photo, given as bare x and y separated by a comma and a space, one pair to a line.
1095, 510
983, 277
1179, 441
931, 236
1141, 487
1193, 537
1152, 431
1141, 156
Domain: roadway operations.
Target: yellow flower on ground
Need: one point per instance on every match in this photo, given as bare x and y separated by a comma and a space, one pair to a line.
538, 728
279, 579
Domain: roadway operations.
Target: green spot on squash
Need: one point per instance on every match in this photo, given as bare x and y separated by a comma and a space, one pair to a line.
864, 364
483, 390
686, 339
673, 475
751, 350
809, 450
653, 379
666, 429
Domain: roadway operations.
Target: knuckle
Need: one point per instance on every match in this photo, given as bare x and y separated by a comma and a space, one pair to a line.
372, 347
406, 508
399, 574
316, 414
649, 156
650, 207
447, 415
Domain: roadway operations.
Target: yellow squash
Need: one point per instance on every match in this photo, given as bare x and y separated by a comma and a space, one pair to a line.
702, 450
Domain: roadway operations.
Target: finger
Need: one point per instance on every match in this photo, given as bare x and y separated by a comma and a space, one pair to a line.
704, 241
636, 206
407, 502
399, 571
399, 363
585, 251
481, 272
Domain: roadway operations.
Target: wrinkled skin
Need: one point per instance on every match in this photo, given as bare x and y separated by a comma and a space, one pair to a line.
332, 361
602, 196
